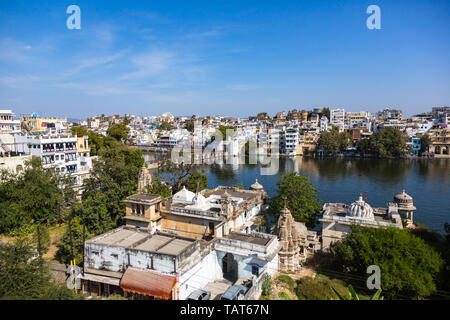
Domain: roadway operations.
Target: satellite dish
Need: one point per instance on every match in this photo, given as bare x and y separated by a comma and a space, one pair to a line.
73, 280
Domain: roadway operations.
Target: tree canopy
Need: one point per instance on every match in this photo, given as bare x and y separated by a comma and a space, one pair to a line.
388, 142
409, 266
26, 276
118, 131
301, 198
36, 196
333, 141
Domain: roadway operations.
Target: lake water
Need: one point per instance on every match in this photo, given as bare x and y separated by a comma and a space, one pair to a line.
343, 179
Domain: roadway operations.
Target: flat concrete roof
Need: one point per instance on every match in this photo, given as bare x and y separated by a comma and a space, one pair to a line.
122, 238
142, 240
143, 197
236, 193
248, 238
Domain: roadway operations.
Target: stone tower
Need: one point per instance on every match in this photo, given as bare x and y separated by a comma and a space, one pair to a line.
226, 204
144, 180
289, 239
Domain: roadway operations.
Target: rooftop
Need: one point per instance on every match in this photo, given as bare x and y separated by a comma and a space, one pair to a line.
141, 197
248, 238
138, 239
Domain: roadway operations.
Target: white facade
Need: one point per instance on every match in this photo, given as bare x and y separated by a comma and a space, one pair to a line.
7, 122
337, 118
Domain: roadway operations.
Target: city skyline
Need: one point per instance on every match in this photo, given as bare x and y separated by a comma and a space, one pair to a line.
231, 59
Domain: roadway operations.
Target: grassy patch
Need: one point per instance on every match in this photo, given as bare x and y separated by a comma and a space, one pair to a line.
283, 296
286, 280
319, 288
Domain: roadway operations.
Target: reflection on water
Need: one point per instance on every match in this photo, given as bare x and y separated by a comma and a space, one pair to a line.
342, 180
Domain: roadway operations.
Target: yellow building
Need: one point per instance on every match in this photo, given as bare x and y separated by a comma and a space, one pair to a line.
34, 123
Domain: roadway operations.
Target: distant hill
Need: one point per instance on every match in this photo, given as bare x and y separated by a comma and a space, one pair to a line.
73, 120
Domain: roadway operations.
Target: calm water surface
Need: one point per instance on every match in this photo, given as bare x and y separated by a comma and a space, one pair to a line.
342, 180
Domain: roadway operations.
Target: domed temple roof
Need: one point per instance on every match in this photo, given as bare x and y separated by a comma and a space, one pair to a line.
360, 210
184, 195
404, 201
256, 186
199, 202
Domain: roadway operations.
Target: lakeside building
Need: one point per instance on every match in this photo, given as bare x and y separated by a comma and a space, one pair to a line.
440, 142
337, 118
289, 142
7, 122
210, 213
171, 247
337, 218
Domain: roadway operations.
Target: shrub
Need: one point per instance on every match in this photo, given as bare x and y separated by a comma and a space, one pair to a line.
287, 280
283, 296
267, 285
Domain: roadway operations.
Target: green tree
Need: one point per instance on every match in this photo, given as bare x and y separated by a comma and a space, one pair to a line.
26, 276
239, 186
115, 176
196, 179
32, 198
390, 142
425, 143
326, 112
267, 285
118, 131
333, 141
301, 198
159, 188
189, 126
79, 131
22, 274
409, 266
178, 175
64, 252
41, 239
165, 126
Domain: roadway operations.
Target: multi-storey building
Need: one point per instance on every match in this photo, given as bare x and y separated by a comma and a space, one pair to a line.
34, 123
390, 114
289, 142
7, 122
337, 118
59, 151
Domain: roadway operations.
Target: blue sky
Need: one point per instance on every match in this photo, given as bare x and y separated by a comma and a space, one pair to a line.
232, 58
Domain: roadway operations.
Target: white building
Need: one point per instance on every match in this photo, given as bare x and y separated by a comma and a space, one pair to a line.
7, 122
337, 118
323, 123
289, 142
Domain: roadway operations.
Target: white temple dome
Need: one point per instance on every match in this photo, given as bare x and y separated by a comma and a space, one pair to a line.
256, 185
199, 202
360, 210
184, 195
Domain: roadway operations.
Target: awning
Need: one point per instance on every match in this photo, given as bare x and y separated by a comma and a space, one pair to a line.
97, 278
148, 283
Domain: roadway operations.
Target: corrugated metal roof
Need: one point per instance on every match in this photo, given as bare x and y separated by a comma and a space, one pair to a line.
148, 282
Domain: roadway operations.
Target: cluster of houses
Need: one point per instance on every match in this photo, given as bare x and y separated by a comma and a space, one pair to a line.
173, 247
50, 139
295, 132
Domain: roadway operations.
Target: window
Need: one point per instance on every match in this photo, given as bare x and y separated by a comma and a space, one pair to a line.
255, 270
